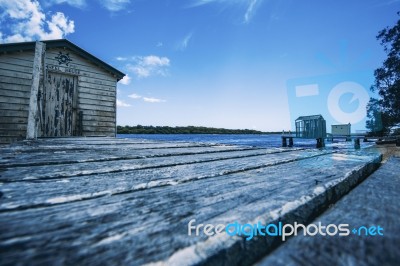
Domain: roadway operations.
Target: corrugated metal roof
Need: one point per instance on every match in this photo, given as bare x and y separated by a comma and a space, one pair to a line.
64, 43
310, 117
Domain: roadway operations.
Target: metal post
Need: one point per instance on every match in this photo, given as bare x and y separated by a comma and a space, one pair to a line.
31, 131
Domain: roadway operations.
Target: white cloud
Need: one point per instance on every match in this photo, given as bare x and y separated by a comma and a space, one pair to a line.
159, 44
153, 60
153, 100
74, 3
204, 2
111, 5
146, 99
183, 44
126, 80
121, 58
250, 10
145, 66
115, 5
251, 6
28, 22
122, 104
134, 96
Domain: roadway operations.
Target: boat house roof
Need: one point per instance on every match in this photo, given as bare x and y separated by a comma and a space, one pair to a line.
309, 117
62, 43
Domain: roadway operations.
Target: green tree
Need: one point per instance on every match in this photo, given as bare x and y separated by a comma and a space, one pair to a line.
384, 112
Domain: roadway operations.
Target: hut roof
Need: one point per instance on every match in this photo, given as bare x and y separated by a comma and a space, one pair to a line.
309, 117
62, 43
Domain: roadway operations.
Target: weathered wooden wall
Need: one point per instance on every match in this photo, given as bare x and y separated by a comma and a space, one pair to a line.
96, 93
15, 85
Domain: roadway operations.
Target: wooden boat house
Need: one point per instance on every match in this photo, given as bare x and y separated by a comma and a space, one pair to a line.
311, 127
341, 130
55, 89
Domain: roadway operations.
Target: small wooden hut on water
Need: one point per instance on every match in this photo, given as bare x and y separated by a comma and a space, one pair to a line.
342, 130
55, 89
310, 127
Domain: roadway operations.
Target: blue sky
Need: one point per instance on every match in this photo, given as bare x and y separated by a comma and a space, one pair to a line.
234, 64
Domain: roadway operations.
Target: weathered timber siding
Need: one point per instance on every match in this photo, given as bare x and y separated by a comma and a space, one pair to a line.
96, 96
15, 86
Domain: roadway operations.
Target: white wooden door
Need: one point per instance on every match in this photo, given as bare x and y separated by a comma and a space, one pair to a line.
58, 111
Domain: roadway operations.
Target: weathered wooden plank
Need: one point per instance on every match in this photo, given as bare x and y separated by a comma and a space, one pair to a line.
11, 80
101, 88
4, 140
106, 102
13, 120
14, 87
14, 100
98, 123
10, 132
241, 159
15, 67
10, 106
26, 56
15, 91
96, 92
97, 97
91, 118
89, 113
169, 171
98, 131
132, 227
96, 107
80, 153
13, 113
98, 81
15, 74
98, 143
12, 126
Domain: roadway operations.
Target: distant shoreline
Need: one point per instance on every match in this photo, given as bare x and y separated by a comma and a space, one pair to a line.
187, 130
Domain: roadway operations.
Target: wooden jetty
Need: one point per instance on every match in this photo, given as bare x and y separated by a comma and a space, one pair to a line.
128, 202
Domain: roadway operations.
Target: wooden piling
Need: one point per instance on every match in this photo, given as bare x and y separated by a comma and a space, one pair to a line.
356, 143
31, 132
284, 144
290, 142
320, 142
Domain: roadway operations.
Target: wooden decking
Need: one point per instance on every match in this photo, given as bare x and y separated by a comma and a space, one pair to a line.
115, 201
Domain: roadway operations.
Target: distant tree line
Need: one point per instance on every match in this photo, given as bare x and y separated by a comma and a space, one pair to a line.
139, 129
